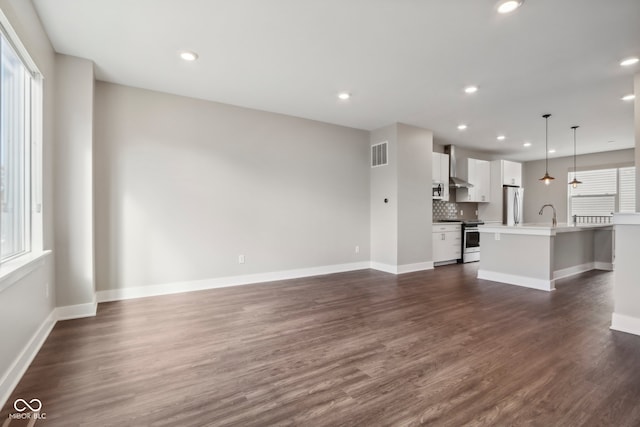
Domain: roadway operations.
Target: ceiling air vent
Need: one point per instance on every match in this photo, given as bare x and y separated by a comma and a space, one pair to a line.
379, 154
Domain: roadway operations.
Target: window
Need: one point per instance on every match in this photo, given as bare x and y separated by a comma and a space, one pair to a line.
627, 190
20, 86
602, 192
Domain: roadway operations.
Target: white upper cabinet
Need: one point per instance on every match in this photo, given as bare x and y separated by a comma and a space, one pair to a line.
440, 173
440, 163
482, 180
511, 173
435, 168
479, 175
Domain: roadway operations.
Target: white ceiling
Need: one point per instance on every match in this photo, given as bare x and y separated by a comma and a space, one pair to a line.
403, 61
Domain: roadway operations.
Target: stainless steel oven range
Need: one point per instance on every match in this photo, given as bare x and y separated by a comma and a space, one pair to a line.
471, 240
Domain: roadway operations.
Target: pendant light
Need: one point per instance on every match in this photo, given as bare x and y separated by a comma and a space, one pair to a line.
575, 181
546, 178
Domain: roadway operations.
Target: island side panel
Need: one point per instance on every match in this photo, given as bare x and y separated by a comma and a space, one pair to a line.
517, 259
573, 253
603, 243
626, 287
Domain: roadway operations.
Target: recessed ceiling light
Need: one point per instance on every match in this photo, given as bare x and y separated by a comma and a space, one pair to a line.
344, 95
629, 61
471, 89
552, 151
501, 138
462, 127
526, 144
629, 97
509, 6
187, 55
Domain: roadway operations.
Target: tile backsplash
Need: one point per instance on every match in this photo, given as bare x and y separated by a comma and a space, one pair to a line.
451, 210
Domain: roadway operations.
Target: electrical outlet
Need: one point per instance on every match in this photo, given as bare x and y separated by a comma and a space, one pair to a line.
476, 212
240, 259
496, 236
357, 249
461, 212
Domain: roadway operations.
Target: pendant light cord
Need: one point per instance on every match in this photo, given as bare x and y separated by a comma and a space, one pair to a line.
574, 152
546, 143
546, 178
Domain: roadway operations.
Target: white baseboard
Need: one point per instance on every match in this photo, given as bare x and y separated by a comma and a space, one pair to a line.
606, 266
410, 268
14, 374
401, 269
513, 279
19, 366
624, 323
11, 378
441, 263
572, 271
582, 268
223, 282
387, 268
77, 311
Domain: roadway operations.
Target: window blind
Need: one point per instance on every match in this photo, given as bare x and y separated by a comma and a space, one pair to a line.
627, 190
593, 205
603, 192
595, 182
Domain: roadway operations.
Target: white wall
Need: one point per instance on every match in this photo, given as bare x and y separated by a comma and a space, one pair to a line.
626, 292
384, 185
25, 306
636, 106
414, 151
401, 228
184, 186
74, 248
537, 194
24, 322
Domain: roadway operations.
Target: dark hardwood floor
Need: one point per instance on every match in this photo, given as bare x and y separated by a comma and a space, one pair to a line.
362, 348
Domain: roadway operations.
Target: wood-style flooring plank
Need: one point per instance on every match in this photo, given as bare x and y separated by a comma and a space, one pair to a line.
361, 348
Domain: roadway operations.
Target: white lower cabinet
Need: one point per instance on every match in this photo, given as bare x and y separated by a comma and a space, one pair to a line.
447, 242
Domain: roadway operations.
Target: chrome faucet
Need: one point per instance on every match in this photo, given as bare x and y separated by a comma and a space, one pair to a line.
554, 221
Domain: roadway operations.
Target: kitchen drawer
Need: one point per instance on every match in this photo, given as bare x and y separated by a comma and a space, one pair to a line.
444, 228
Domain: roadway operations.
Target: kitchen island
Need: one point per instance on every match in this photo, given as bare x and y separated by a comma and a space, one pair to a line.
536, 255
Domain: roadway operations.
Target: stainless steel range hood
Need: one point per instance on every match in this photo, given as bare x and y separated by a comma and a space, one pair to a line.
454, 180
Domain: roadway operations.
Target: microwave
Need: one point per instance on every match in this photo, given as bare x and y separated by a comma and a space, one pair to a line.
437, 191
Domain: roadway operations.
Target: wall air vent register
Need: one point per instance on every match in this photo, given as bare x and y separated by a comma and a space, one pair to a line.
379, 154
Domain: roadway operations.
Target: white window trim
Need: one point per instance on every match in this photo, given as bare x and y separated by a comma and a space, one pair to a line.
14, 269
593, 168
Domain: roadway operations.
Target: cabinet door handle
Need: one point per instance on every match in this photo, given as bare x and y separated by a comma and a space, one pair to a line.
442, 236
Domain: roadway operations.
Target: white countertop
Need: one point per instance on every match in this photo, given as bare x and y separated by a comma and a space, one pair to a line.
540, 229
626, 218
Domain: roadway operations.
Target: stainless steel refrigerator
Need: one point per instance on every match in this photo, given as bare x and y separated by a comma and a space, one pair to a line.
512, 205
